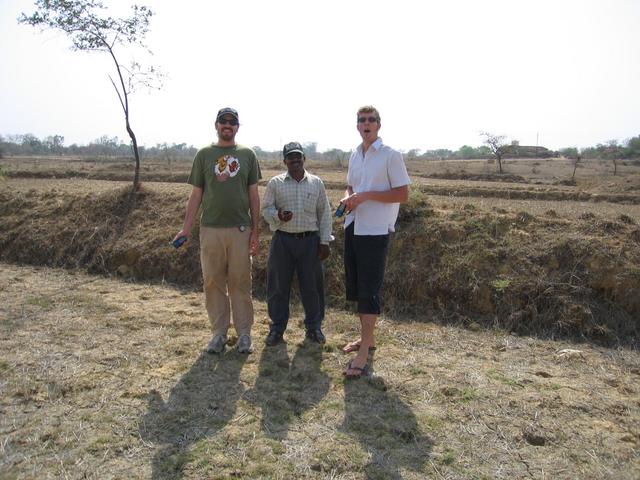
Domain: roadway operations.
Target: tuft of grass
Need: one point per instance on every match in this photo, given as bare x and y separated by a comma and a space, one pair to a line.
43, 302
524, 218
501, 284
626, 219
468, 394
339, 456
464, 395
433, 424
100, 444
277, 448
27, 389
416, 370
502, 378
448, 457
88, 303
174, 462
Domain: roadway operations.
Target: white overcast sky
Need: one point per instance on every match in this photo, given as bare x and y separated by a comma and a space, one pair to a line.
565, 72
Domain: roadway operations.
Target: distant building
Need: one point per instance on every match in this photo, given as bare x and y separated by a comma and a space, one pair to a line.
528, 151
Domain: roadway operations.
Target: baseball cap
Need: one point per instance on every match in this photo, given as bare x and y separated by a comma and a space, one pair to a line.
292, 147
227, 111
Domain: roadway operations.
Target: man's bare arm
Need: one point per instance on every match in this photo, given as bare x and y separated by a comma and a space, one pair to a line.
192, 209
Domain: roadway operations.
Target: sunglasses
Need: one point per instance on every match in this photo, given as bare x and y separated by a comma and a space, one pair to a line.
367, 119
233, 122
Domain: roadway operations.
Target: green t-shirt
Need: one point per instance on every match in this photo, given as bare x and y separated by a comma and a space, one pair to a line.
224, 174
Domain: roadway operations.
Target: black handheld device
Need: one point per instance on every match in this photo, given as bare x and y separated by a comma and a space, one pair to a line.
179, 241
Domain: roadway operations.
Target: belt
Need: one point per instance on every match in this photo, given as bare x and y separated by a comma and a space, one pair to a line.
298, 234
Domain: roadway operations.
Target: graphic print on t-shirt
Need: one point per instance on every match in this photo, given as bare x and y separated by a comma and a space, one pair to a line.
225, 167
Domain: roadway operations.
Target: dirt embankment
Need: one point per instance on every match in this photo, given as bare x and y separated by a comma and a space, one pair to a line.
114, 176
531, 194
491, 177
529, 274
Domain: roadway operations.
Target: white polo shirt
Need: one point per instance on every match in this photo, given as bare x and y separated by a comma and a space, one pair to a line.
380, 169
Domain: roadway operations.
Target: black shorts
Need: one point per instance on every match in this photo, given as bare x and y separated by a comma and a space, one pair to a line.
365, 257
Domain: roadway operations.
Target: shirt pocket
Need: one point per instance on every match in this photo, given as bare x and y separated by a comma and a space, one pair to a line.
310, 201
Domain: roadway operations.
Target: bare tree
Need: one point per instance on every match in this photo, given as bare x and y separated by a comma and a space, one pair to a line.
497, 144
614, 152
576, 161
573, 154
91, 32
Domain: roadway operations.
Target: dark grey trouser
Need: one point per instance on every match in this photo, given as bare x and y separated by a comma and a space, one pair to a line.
300, 255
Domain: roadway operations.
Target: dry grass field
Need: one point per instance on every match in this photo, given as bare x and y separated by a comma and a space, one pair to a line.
509, 347
108, 379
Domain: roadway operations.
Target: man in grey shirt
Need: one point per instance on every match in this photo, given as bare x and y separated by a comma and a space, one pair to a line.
297, 210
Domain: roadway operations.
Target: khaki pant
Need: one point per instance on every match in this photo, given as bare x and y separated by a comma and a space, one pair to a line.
226, 272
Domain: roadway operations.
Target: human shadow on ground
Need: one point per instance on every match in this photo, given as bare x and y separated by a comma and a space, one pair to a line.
385, 426
286, 390
201, 404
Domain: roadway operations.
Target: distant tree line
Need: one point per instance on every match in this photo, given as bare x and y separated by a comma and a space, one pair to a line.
105, 146
612, 150
463, 153
609, 150
333, 155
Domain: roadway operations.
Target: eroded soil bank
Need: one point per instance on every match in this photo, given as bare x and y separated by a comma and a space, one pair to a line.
547, 274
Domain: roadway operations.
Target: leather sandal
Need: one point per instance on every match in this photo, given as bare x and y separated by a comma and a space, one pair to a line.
362, 371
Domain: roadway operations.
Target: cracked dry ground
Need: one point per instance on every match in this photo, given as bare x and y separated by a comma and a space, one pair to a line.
106, 379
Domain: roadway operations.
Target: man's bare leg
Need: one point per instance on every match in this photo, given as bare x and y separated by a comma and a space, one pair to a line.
368, 323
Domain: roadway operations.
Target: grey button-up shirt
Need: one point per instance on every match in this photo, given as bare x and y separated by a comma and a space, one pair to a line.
307, 199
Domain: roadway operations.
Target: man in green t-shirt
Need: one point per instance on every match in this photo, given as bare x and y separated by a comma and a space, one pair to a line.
225, 178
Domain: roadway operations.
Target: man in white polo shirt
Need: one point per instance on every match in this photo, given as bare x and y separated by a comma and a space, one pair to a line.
377, 182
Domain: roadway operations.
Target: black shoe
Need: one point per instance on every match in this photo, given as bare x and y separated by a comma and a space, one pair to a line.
273, 338
316, 336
